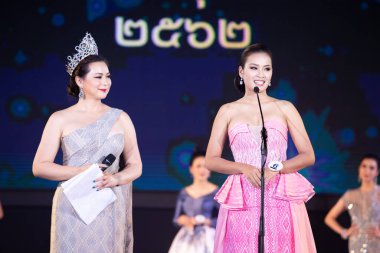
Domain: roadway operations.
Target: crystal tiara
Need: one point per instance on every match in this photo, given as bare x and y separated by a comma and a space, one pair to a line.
85, 48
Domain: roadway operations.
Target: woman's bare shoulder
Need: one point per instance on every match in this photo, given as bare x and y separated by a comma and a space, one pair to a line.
284, 104
232, 106
62, 115
125, 119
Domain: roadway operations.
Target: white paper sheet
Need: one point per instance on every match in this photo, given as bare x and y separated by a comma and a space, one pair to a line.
87, 201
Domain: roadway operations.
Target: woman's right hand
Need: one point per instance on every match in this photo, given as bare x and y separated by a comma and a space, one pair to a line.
83, 168
191, 222
374, 232
346, 233
252, 174
186, 221
353, 230
86, 166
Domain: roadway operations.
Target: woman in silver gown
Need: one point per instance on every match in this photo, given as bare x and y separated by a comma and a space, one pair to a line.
363, 205
87, 132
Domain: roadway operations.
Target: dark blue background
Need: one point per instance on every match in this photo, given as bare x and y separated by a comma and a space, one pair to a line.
325, 61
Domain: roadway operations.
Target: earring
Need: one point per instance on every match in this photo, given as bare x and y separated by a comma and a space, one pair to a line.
241, 81
81, 93
270, 84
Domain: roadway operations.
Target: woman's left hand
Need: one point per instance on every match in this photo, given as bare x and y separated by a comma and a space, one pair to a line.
207, 222
374, 232
268, 175
107, 180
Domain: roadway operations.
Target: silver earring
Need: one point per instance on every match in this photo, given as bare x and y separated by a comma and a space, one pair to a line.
270, 84
81, 93
241, 81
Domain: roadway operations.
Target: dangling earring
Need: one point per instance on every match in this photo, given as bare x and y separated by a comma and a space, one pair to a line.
241, 81
359, 179
270, 84
81, 93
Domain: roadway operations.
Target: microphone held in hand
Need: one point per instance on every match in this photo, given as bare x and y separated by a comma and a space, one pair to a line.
108, 161
256, 89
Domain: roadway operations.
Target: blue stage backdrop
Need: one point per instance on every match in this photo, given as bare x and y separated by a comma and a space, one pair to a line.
172, 65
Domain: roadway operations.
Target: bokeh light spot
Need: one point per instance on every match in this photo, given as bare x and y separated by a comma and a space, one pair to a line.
20, 108
331, 77
372, 132
58, 19
20, 57
347, 136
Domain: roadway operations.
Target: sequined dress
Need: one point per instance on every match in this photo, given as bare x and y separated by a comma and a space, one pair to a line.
364, 210
287, 227
111, 231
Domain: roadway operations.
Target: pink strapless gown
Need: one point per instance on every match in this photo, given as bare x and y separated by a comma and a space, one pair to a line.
287, 226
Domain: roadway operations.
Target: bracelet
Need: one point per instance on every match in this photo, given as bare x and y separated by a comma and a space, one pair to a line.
199, 219
275, 166
344, 234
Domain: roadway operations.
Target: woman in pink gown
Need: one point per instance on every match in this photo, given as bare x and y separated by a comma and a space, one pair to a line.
287, 226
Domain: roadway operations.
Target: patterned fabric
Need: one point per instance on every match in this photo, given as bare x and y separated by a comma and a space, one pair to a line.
238, 220
111, 231
364, 210
201, 238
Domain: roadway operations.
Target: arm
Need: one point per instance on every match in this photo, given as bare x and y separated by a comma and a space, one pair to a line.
43, 164
131, 153
180, 218
215, 146
330, 220
1, 212
214, 215
300, 138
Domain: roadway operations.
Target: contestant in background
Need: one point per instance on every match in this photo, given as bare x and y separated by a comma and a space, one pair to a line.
196, 211
86, 132
287, 226
1, 211
363, 205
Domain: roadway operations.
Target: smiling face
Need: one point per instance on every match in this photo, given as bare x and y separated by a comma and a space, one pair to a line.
97, 82
257, 71
368, 170
198, 169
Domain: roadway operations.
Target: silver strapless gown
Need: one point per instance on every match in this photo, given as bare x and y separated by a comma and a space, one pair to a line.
111, 231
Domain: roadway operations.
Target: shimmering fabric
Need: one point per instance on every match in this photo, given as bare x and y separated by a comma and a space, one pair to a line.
201, 238
364, 210
111, 231
287, 227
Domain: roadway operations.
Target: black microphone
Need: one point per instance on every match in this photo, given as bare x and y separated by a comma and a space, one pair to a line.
108, 161
264, 153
